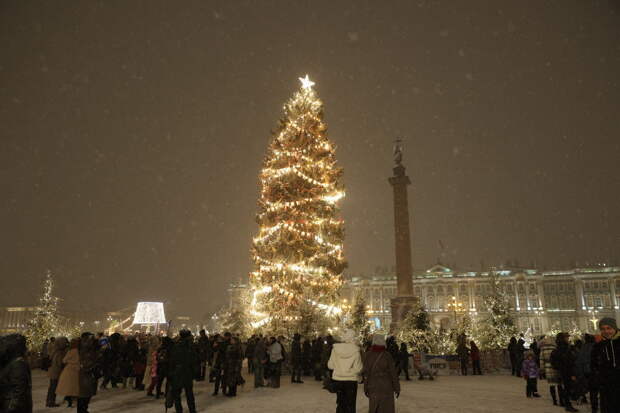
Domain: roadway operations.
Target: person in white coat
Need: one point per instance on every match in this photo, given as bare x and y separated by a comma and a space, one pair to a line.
346, 364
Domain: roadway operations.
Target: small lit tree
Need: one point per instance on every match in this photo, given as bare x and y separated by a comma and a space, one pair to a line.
499, 323
236, 322
46, 321
359, 318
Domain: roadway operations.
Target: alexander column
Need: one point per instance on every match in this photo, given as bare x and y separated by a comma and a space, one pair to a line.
404, 300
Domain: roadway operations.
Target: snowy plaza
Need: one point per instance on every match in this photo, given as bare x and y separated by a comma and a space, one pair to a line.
453, 394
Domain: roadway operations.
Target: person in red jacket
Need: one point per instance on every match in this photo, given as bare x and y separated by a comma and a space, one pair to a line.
474, 353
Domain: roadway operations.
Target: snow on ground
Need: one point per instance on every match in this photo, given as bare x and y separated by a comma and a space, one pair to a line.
448, 394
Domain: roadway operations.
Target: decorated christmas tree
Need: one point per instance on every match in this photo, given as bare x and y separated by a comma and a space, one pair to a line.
297, 254
499, 324
46, 322
358, 320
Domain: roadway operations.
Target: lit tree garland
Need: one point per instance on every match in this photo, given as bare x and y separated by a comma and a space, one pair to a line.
499, 324
297, 254
359, 318
46, 322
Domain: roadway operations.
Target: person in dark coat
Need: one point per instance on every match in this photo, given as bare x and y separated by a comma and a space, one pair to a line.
520, 353
380, 378
563, 360
325, 355
89, 371
606, 365
61, 346
163, 365
584, 372
403, 361
249, 353
15, 375
220, 361
261, 359
392, 348
306, 357
474, 353
232, 366
463, 353
512, 352
203, 348
317, 353
182, 372
534, 348
296, 359
110, 361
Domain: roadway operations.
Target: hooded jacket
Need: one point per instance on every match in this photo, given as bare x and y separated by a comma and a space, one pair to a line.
346, 362
15, 378
606, 361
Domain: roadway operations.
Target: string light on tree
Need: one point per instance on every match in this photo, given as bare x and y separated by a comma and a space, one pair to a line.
297, 253
46, 321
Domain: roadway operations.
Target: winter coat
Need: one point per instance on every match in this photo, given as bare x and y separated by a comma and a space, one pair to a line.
151, 370
232, 366
583, 362
129, 357
564, 358
474, 353
220, 354
61, 344
184, 364
317, 351
16, 387
463, 352
606, 363
326, 353
203, 347
529, 369
296, 353
260, 352
346, 362
68, 383
306, 353
110, 360
249, 350
380, 381
163, 360
276, 352
403, 359
546, 346
89, 367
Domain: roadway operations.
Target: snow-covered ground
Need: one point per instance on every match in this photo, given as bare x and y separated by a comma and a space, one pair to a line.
448, 394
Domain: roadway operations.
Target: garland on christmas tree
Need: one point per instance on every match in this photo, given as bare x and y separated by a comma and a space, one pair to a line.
46, 321
297, 254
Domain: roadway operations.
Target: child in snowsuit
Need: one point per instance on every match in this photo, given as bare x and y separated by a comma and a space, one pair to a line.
530, 372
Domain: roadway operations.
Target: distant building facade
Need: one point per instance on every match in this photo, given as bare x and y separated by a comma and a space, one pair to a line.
540, 300
15, 319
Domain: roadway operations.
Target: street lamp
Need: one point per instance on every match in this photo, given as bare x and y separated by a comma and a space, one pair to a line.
456, 306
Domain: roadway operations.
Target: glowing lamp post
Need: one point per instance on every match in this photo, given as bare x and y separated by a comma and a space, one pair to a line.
455, 306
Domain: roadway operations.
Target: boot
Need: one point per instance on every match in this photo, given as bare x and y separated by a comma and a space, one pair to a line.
570, 408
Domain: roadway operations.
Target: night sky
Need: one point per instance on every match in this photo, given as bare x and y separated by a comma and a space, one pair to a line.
133, 134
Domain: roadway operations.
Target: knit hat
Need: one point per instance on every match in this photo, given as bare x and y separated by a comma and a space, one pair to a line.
608, 321
378, 340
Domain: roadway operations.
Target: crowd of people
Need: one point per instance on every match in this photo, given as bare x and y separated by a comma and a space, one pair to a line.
166, 367
588, 368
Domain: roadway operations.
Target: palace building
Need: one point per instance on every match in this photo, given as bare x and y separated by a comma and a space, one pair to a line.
541, 300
